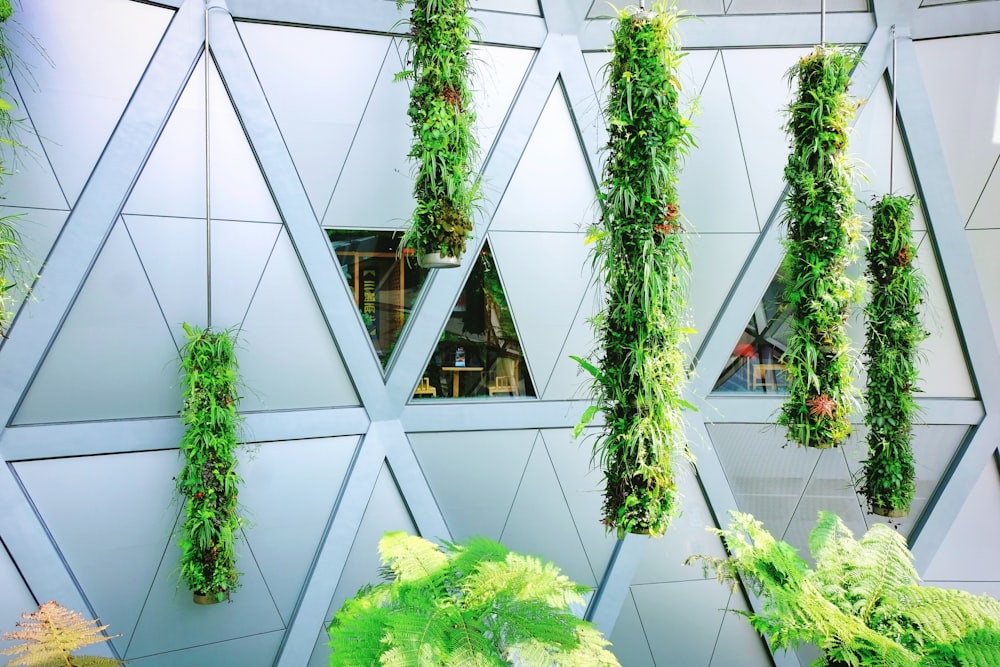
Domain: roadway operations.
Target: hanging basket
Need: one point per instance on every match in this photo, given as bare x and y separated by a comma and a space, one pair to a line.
434, 260
200, 598
889, 512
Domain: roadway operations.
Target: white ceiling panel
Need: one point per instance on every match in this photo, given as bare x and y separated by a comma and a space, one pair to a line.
984, 244
240, 253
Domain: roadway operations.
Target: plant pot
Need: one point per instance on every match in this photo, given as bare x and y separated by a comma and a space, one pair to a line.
434, 260
200, 598
880, 510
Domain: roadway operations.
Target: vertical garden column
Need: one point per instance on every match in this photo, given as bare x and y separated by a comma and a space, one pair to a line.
892, 336
642, 257
822, 233
441, 116
209, 482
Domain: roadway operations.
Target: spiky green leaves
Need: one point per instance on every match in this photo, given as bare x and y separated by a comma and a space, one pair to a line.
893, 334
822, 231
208, 481
642, 256
464, 604
441, 116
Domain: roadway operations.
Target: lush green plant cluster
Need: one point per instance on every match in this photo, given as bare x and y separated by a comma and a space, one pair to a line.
442, 118
209, 482
642, 257
822, 233
50, 636
893, 333
862, 603
471, 604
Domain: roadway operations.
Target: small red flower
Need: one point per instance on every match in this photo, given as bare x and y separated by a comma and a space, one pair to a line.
671, 212
199, 494
822, 405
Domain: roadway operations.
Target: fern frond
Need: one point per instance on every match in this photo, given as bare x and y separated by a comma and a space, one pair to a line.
410, 557
52, 634
522, 577
977, 649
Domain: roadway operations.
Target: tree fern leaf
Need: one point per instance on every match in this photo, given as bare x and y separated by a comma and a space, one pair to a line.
410, 557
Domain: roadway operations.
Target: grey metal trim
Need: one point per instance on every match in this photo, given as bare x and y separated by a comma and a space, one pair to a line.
971, 315
614, 587
965, 18
759, 409
438, 415
747, 30
52, 441
311, 244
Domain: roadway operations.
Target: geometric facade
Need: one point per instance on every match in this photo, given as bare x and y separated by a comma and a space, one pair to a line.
308, 133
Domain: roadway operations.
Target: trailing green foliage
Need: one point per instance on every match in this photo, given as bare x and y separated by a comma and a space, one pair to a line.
862, 603
51, 635
209, 482
892, 335
474, 604
642, 257
441, 116
822, 233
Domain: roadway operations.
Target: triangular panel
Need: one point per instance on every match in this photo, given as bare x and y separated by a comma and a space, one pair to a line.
870, 151
739, 645
474, 476
115, 555
529, 7
685, 618
54, 79
240, 253
984, 216
498, 75
760, 95
582, 486
568, 380
173, 180
628, 639
983, 243
245, 651
716, 262
114, 357
969, 551
373, 191
479, 352
527, 261
37, 230
17, 599
386, 511
716, 166
541, 523
288, 495
172, 252
793, 6
318, 121
293, 361
540, 198
964, 109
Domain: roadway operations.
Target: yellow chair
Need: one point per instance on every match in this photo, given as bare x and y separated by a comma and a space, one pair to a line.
758, 376
424, 388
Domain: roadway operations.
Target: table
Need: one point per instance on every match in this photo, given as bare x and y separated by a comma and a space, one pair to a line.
455, 370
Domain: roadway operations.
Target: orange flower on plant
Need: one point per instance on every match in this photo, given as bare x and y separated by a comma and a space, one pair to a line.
670, 212
821, 406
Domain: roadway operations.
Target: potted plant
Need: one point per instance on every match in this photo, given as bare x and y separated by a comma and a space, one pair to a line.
640, 251
441, 116
209, 482
50, 637
893, 333
822, 231
474, 603
862, 603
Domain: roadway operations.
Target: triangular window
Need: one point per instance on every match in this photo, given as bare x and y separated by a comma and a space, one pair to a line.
383, 285
479, 354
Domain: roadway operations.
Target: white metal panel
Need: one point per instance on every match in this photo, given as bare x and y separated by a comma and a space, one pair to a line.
601, 8
513, 6
252, 651
240, 253
628, 639
551, 189
318, 120
738, 644
568, 380
962, 82
114, 357
288, 358
761, 95
16, 600
794, 7
986, 214
985, 245
172, 252
288, 494
497, 77
115, 558
173, 180
716, 262
73, 109
37, 230
682, 619
716, 166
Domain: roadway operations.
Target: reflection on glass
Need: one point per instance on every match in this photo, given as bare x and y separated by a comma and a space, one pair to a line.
755, 363
479, 354
384, 286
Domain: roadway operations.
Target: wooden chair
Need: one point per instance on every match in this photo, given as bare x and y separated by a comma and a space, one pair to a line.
757, 377
502, 384
424, 388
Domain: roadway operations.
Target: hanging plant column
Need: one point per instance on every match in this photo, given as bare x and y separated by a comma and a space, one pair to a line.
642, 257
209, 482
822, 233
893, 333
441, 117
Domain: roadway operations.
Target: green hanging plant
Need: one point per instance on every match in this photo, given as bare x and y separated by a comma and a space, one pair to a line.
441, 116
640, 251
822, 233
464, 604
893, 333
862, 603
209, 482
